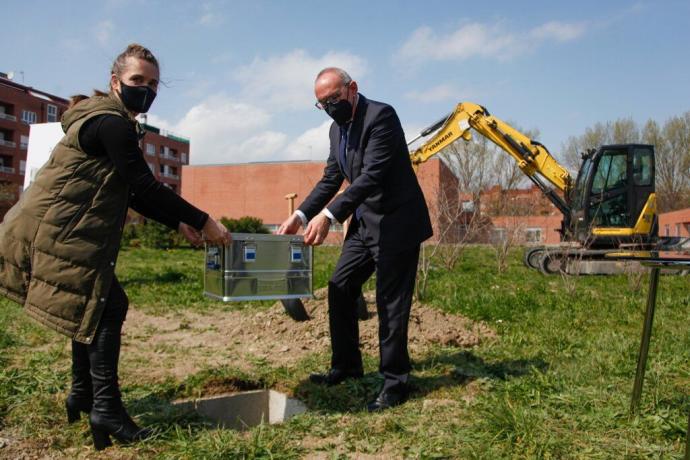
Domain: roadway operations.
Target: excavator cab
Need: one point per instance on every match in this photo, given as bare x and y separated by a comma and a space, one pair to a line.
613, 199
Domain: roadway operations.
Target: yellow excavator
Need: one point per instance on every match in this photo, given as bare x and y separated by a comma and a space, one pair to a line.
611, 205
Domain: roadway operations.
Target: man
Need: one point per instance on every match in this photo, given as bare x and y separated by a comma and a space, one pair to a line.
390, 220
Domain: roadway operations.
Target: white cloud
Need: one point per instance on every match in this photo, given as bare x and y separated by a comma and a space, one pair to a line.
482, 40
265, 146
222, 130
558, 31
209, 15
287, 82
103, 31
237, 128
313, 144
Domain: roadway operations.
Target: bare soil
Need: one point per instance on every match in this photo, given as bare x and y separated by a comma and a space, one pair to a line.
181, 344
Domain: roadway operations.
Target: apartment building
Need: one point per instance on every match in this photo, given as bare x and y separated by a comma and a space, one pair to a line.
20, 107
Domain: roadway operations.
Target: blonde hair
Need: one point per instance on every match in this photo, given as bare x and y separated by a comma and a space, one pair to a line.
134, 50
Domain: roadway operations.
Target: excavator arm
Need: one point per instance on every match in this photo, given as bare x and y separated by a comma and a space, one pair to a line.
532, 157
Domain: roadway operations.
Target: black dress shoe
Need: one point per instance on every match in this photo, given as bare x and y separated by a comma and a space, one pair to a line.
334, 377
388, 398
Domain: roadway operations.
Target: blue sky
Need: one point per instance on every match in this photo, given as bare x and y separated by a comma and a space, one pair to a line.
239, 74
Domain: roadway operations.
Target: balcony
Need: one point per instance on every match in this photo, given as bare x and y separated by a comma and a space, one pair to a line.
6, 170
23, 145
8, 143
170, 175
168, 156
8, 117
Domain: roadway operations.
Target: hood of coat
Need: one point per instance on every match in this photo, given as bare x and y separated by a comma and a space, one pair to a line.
88, 106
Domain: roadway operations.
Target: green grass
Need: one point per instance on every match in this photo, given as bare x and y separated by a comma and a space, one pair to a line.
555, 383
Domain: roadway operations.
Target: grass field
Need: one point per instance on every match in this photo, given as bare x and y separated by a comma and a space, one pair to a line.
555, 383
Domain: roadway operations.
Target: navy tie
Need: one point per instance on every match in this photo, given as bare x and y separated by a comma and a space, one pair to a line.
342, 148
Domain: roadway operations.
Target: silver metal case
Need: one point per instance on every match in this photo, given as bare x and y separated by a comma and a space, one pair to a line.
259, 267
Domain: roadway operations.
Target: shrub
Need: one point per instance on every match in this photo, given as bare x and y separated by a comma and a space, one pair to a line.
157, 236
246, 224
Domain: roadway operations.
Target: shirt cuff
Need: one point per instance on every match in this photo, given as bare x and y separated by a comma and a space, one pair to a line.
302, 217
330, 215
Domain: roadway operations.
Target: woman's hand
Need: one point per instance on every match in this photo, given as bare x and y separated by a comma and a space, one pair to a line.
191, 234
215, 233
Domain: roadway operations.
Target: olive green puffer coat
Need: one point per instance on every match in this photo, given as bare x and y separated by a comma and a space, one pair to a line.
59, 243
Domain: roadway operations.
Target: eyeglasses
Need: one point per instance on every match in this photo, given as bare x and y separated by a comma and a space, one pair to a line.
321, 105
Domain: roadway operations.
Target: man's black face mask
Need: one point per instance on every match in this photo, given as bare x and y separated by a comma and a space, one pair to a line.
137, 98
341, 111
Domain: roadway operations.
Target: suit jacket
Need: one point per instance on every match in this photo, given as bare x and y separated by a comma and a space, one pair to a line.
382, 182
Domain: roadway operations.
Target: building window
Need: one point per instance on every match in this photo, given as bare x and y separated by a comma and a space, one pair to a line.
150, 149
667, 229
677, 229
51, 113
498, 235
23, 141
533, 235
29, 117
183, 157
22, 166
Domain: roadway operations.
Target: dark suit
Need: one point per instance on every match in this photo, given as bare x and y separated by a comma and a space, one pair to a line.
393, 220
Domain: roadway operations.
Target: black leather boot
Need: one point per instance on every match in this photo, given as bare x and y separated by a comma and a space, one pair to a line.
80, 398
108, 417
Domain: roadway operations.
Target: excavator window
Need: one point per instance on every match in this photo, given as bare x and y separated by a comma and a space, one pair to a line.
612, 172
642, 167
609, 197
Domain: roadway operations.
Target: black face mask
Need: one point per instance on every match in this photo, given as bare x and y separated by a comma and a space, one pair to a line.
137, 98
340, 112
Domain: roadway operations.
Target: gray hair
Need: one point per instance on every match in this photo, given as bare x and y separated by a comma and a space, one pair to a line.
344, 76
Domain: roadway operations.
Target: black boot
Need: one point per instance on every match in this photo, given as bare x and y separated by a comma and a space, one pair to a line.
80, 398
108, 416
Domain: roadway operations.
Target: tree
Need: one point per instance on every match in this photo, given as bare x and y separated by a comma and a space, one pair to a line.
621, 131
673, 164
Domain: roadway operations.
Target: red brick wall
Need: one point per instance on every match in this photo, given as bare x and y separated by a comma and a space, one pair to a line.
259, 189
675, 223
549, 226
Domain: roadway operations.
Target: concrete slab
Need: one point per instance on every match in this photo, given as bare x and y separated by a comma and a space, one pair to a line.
240, 411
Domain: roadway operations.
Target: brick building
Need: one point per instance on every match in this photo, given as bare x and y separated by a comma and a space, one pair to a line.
165, 154
20, 106
675, 223
527, 212
259, 189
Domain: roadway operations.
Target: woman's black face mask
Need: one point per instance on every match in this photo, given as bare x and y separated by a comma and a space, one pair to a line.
137, 98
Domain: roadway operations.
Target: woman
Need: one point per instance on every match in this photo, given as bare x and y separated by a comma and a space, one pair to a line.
59, 243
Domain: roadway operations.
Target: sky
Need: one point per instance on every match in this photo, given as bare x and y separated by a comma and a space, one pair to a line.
238, 75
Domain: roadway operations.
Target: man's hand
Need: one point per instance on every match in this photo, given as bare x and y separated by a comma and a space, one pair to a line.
215, 232
191, 234
317, 230
290, 226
